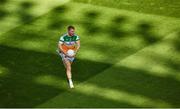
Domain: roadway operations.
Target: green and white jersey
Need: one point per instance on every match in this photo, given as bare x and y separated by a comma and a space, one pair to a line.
68, 40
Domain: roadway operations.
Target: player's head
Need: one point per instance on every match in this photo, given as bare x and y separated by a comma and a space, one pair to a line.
71, 30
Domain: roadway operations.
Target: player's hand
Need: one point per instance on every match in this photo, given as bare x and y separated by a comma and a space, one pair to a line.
66, 55
72, 56
76, 51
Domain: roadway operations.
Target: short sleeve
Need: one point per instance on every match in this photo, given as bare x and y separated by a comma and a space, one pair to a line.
77, 38
61, 40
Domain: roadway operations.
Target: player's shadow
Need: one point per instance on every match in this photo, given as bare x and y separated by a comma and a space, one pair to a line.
115, 28
24, 12
89, 22
145, 30
57, 18
18, 86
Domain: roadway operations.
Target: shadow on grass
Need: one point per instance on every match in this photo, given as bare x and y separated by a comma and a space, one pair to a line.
157, 7
141, 82
2, 2
145, 29
17, 86
115, 53
57, 17
115, 28
76, 99
168, 62
56, 21
3, 13
23, 12
177, 42
29, 35
89, 22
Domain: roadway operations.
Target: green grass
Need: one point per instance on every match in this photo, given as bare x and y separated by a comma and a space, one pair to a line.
127, 58
160, 7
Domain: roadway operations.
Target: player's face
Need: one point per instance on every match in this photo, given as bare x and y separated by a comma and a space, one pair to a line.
71, 32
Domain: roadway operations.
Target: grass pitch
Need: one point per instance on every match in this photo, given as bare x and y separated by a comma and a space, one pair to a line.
129, 56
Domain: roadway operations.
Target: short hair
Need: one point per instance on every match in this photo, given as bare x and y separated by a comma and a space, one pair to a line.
70, 27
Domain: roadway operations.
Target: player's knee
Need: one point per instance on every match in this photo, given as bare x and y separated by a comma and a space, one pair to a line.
68, 67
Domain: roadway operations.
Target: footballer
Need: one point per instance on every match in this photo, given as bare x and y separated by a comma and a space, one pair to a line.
68, 46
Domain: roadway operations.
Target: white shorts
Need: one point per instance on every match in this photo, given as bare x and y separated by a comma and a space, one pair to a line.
63, 56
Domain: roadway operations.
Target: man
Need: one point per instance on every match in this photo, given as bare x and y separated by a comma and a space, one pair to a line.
68, 41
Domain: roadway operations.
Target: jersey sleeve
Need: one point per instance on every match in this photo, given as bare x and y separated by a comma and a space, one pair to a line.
61, 40
77, 38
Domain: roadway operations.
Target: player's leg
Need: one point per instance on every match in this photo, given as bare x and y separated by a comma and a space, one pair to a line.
68, 68
64, 63
68, 72
67, 64
62, 56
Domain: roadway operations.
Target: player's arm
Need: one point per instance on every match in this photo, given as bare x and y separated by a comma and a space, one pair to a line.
61, 42
78, 45
60, 47
77, 48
